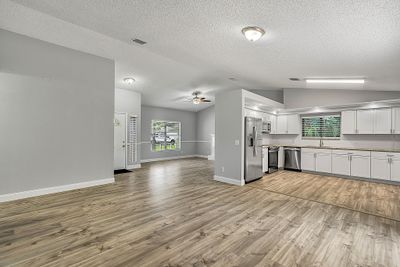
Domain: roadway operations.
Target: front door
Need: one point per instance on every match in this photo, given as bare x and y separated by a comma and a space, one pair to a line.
119, 141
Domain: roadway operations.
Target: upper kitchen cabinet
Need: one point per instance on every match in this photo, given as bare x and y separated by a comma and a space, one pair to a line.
349, 122
281, 125
293, 124
370, 121
273, 124
383, 121
365, 121
396, 120
288, 124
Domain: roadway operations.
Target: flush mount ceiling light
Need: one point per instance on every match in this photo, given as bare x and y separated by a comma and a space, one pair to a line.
335, 81
253, 33
129, 81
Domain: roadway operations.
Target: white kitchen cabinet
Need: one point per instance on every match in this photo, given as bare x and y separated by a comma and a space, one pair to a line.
316, 160
395, 169
273, 124
385, 166
349, 122
341, 164
323, 162
380, 168
288, 124
396, 120
307, 160
281, 124
365, 121
281, 158
293, 124
265, 159
382, 121
360, 166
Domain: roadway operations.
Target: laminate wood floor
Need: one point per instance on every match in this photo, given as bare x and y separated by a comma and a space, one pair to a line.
172, 213
369, 197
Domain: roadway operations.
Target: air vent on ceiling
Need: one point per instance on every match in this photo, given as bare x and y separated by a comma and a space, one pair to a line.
138, 41
294, 79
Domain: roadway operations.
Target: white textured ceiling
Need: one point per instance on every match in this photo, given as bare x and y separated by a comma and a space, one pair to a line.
196, 44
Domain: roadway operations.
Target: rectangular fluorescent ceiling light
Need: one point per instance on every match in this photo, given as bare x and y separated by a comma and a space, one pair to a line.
335, 81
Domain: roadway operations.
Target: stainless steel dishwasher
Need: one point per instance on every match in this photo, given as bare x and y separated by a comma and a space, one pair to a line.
292, 158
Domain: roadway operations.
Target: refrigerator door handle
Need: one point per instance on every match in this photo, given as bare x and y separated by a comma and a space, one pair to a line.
255, 141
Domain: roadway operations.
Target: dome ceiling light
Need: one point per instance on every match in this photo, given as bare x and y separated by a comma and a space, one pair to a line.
253, 33
129, 81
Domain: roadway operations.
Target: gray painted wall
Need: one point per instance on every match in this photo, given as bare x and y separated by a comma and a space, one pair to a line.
298, 98
188, 128
205, 127
56, 113
130, 102
276, 95
228, 128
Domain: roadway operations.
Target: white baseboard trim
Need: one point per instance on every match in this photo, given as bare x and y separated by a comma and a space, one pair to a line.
228, 180
172, 158
201, 156
54, 189
136, 166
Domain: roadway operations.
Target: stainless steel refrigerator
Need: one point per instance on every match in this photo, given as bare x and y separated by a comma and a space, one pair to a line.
252, 151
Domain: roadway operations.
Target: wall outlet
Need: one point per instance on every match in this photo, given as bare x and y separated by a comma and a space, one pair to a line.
236, 142
223, 169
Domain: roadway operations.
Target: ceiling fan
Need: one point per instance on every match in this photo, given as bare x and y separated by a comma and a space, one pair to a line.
197, 99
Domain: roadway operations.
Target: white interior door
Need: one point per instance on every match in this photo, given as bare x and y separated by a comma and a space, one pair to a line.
119, 141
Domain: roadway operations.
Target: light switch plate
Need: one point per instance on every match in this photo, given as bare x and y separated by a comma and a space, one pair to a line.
236, 142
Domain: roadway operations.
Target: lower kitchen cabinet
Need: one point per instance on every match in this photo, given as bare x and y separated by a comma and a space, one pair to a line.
385, 166
380, 168
316, 160
360, 166
307, 160
351, 163
357, 163
265, 159
395, 170
323, 162
341, 164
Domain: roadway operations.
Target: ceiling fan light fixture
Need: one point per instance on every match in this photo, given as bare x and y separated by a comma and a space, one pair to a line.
253, 33
196, 100
129, 80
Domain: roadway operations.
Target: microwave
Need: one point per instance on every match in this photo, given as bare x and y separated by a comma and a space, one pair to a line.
266, 127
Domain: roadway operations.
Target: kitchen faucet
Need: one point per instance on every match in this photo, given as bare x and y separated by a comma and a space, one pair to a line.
321, 143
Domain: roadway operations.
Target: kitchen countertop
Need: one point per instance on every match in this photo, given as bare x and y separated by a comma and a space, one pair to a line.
337, 148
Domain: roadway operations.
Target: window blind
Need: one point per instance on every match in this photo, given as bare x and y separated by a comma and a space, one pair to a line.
321, 126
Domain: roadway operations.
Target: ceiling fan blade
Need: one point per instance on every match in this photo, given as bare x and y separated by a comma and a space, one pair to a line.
205, 100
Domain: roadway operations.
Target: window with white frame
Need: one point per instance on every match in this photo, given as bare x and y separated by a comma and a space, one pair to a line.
165, 135
321, 126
